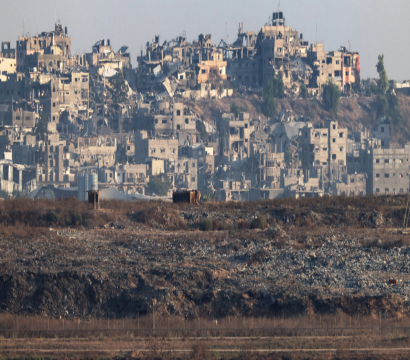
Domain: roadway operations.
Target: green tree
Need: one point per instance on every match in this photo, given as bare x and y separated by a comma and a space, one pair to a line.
303, 91
270, 106
387, 103
383, 81
382, 105
18, 194
394, 110
200, 127
236, 109
4, 194
159, 184
331, 96
273, 90
42, 125
119, 90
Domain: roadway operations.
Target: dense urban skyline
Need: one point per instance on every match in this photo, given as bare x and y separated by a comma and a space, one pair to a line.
133, 23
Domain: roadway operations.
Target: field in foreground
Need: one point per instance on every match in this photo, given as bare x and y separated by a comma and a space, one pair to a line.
314, 257
127, 346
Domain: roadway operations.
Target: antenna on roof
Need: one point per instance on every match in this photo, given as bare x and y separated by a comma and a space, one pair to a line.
316, 33
37, 26
24, 20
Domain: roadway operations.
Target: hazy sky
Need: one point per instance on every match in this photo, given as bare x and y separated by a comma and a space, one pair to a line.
372, 26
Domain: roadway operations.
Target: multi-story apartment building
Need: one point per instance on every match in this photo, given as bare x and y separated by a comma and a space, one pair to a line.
184, 174
270, 168
235, 135
387, 171
157, 148
177, 120
341, 67
323, 150
103, 55
48, 51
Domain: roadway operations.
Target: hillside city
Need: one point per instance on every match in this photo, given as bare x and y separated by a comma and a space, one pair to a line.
136, 126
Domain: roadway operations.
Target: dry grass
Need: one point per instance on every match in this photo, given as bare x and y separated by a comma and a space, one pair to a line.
228, 324
36, 213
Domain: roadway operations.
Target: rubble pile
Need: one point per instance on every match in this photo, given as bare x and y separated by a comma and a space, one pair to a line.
119, 270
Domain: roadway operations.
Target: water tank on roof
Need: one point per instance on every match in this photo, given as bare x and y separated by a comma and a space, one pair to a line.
281, 15
92, 182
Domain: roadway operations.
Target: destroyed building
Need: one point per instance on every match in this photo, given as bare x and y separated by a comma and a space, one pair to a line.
105, 58
323, 151
278, 49
341, 67
235, 135
48, 51
164, 118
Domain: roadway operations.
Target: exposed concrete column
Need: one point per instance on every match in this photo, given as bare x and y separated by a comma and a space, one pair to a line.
10, 182
20, 188
1, 177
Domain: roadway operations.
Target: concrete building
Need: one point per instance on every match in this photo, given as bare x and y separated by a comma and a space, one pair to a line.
323, 150
18, 114
381, 131
350, 185
184, 174
135, 174
104, 56
157, 148
341, 67
387, 171
99, 151
254, 59
166, 119
48, 93
6, 51
8, 62
270, 168
15, 177
235, 135
48, 51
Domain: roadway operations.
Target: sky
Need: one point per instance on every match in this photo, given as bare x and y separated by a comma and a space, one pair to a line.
373, 27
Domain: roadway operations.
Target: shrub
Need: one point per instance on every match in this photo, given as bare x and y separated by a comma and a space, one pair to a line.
76, 219
4, 194
259, 222
236, 109
216, 225
258, 257
52, 216
331, 96
272, 91
223, 226
303, 91
87, 223
200, 352
233, 229
243, 224
159, 184
207, 224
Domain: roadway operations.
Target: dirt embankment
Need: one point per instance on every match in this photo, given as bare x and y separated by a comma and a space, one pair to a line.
315, 256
